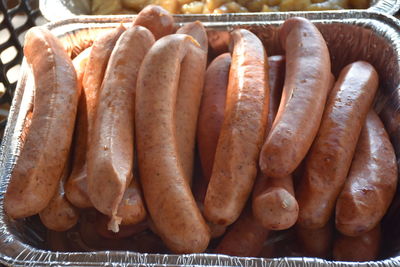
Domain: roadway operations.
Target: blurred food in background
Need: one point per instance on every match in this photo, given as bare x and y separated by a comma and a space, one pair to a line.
104, 7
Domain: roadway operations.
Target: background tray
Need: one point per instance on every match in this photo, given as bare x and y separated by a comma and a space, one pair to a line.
351, 35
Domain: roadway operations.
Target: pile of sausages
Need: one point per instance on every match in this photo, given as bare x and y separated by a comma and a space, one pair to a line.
281, 142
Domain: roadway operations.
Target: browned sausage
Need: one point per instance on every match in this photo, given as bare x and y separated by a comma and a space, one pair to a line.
166, 189
276, 80
131, 209
38, 169
242, 132
76, 186
197, 31
372, 181
244, 238
157, 20
306, 86
111, 150
218, 41
274, 204
361, 248
80, 62
212, 110
199, 193
329, 159
315, 242
60, 215
188, 100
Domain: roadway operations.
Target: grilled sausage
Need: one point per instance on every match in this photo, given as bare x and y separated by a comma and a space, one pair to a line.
316, 242
372, 181
111, 150
212, 109
188, 100
329, 159
276, 80
361, 248
306, 87
244, 238
60, 215
76, 185
166, 189
37, 172
274, 204
211, 115
131, 209
242, 132
157, 20
80, 62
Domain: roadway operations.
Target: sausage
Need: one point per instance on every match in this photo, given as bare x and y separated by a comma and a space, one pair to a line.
111, 150
76, 185
218, 41
212, 110
245, 238
329, 159
274, 204
166, 189
276, 75
305, 90
242, 132
60, 215
96, 65
37, 172
188, 100
131, 209
199, 193
315, 242
158, 20
361, 248
197, 31
80, 62
371, 183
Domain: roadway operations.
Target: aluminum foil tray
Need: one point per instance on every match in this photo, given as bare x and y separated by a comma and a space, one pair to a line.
350, 35
61, 9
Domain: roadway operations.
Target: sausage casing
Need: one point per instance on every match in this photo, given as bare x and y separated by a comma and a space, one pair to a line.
330, 156
371, 183
37, 173
242, 131
188, 100
76, 185
273, 204
244, 238
360, 248
60, 215
166, 190
111, 150
308, 70
212, 110
158, 20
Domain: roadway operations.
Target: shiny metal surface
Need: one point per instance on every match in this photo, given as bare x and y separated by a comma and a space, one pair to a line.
54, 10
